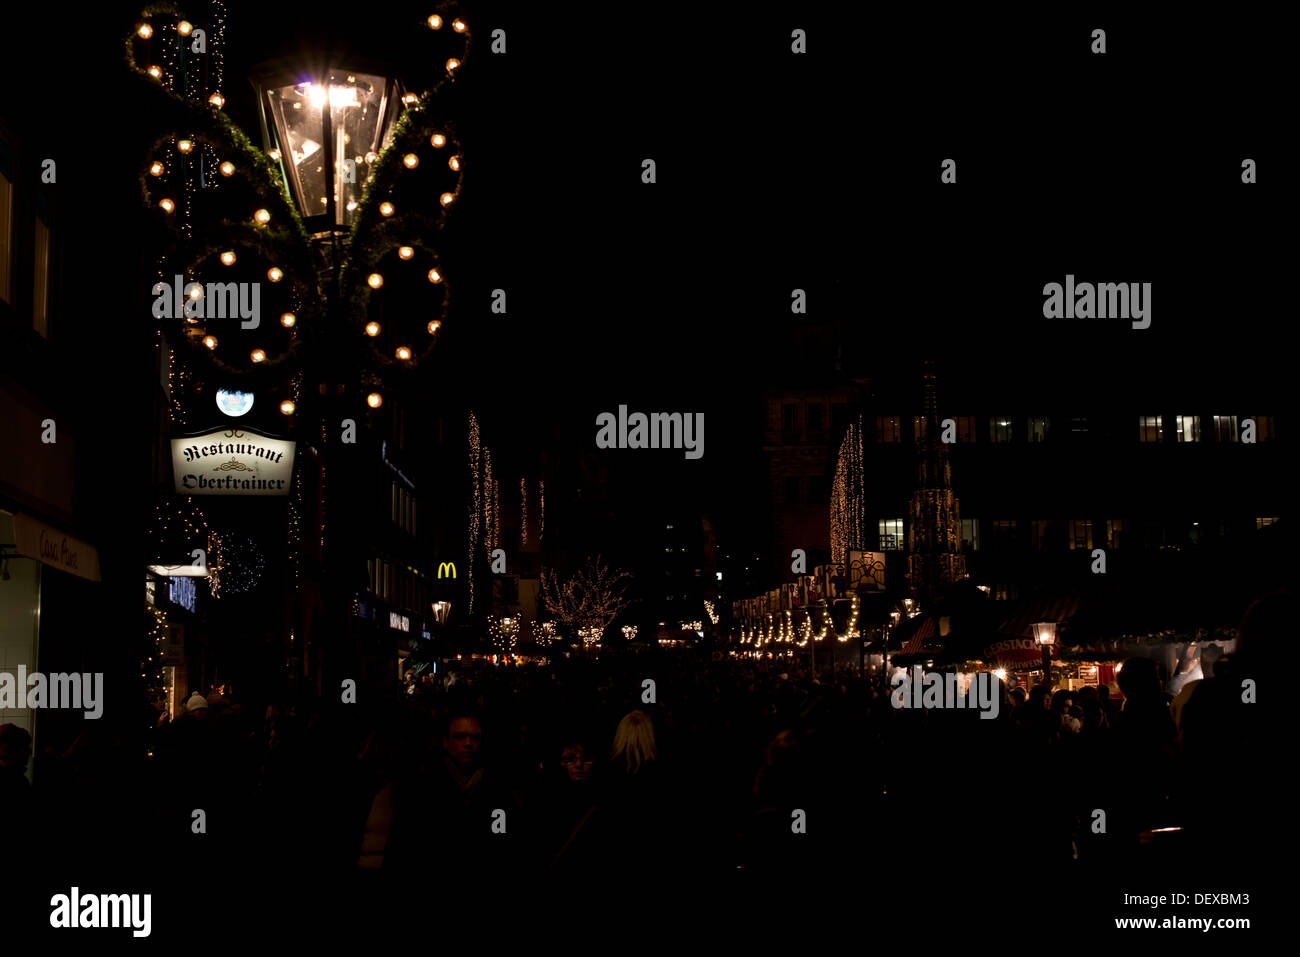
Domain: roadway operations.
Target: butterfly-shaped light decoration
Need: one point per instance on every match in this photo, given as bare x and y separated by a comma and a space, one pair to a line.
219, 216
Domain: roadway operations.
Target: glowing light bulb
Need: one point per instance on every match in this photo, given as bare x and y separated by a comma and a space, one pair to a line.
372, 328
454, 162
227, 168
275, 155
167, 205
275, 274
227, 259
374, 280
155, 72
410, 99
217, 100
410, 161
452, 64
446, 199
371, 156
262, 216
403, 352
196, 292
458, 25
287, 407
145, 31
288, 319
386, 209
156, 169
374, 400
435, 276
434, 327
406, 252
438, 140
258, 355
185, 28
210, 341
435, 23
184, 145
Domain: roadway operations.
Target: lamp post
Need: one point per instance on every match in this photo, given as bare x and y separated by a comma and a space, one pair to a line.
1045, 635
324, 127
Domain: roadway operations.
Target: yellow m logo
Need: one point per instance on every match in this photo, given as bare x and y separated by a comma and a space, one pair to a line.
443, 566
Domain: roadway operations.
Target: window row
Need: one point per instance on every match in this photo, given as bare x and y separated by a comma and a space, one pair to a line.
1003, 429
403, 510
397, 583
1046, 534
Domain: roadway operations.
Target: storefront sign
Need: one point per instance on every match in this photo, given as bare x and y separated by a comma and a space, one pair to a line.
53, 548
232, 462
400, 622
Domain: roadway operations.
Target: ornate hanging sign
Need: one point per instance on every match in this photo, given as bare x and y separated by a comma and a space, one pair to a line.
232, 462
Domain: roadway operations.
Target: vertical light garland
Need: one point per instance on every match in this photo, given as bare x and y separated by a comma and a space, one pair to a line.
848, 517
523, 511
476, 502
541, 511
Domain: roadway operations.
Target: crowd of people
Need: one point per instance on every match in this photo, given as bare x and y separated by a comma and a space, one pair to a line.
588, 770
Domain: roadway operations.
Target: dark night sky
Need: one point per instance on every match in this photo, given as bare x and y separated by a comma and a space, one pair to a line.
820, 172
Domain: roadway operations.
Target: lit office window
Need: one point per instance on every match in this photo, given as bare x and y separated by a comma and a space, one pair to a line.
1116, 531
891, 534
966, 428
1150, 428
918, 426
41, 280
887, 428
1189, 428
1081, 533
1038, 427
970, 533
1225, 428
1000, 428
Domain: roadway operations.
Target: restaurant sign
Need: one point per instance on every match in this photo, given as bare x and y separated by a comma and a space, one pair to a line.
232, 462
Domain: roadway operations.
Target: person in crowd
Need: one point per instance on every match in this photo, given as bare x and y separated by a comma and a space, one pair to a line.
15, 790
1143, 746
1232, 781
453, 808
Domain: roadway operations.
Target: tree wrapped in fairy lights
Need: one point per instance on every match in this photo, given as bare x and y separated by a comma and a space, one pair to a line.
587, 602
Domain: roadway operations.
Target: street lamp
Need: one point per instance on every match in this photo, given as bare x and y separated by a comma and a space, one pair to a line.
327, 127
1045, 635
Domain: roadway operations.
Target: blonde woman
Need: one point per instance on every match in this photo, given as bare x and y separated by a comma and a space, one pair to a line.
634, 743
